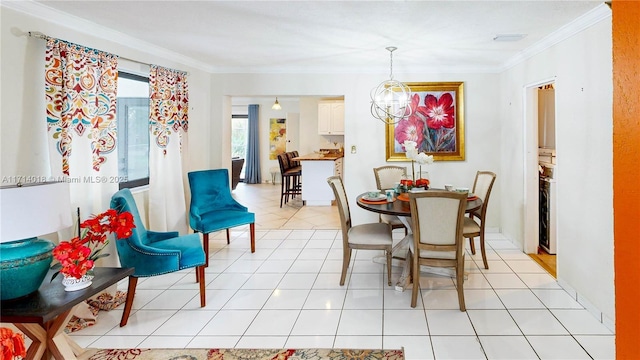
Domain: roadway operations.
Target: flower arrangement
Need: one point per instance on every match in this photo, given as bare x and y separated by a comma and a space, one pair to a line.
12, 345
419, 157
77, 256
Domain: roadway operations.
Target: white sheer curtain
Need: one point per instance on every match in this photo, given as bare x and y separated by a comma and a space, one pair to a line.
168, 124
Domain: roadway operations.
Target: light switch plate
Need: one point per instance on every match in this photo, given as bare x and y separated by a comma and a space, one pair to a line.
353, 149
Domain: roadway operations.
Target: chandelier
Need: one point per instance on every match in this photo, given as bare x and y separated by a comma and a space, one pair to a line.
391, 100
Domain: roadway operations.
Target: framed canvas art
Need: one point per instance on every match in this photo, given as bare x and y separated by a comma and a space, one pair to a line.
436, 123
277, 137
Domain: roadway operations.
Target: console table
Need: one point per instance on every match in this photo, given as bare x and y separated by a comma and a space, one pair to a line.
43, 315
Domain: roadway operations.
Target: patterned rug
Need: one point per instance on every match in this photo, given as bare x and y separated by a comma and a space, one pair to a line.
246, 354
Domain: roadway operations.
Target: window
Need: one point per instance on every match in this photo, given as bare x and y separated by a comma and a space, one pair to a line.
239, 135
132, 113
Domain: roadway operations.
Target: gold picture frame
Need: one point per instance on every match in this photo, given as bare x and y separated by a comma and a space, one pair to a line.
436, 124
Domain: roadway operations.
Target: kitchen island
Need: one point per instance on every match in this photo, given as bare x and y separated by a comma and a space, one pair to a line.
316, 168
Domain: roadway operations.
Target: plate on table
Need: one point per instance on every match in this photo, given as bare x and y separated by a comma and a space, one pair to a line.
378, 198
471, 196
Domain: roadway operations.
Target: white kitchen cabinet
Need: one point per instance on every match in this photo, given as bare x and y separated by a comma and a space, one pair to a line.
331, 117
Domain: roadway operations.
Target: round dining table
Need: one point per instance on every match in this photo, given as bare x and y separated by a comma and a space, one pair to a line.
402, 210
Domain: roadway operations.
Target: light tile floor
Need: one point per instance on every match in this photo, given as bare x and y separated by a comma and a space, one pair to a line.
287, 294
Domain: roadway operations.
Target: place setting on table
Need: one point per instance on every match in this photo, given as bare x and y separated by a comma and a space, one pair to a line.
396, 202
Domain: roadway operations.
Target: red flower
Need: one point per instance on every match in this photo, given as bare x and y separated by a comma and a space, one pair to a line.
77, 256
12, 344
440, 112
409, 129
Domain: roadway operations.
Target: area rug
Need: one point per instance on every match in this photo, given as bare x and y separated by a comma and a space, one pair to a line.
246, 354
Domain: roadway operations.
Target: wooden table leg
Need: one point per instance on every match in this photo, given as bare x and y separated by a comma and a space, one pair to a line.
61, 346
38, 337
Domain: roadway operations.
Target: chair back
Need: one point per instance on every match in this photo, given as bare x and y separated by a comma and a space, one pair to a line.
283, 162
388, 176
482, 187
123, 201
343, 205
209, 191
438, 222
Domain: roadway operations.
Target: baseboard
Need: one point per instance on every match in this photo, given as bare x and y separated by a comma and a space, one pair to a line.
592, 309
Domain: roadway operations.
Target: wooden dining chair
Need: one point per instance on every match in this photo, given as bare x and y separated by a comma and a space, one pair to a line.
481, 188
437, 218
372, 236
386, 178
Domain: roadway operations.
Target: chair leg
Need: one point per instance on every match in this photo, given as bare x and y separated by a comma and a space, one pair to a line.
472, 245
346, 257
252, 230
460, 286
228, 237
415, 275
203, 294
388, 267
484, 254
205, 245
281, 189
131, 293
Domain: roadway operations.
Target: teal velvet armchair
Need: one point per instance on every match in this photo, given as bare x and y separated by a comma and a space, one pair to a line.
213, 208
155, 253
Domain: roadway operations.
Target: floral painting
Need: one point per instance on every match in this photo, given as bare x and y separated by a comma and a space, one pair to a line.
277, 137
436, 123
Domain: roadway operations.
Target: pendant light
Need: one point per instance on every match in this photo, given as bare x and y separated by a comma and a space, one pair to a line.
276, 105
391, 100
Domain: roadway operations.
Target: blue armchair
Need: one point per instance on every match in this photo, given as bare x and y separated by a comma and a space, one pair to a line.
155, 253
213, 208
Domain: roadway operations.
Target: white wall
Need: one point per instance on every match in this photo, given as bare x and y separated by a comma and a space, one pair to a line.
582, 68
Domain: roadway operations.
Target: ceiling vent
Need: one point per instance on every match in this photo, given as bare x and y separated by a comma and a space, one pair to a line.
509, 37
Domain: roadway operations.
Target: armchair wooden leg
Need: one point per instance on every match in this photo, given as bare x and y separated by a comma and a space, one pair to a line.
203, 294
205, 245
252, 229
228, 237
131, 292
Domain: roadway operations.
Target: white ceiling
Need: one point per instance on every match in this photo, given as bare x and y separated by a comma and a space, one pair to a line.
334, 36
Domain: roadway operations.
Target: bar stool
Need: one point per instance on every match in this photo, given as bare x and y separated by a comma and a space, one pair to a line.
290, 185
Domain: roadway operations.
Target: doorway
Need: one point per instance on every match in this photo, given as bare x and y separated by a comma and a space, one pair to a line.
540, 174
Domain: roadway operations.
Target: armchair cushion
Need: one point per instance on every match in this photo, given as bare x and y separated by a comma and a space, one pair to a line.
222, 219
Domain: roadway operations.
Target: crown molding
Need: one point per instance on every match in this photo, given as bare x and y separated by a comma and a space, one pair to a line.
81, 25
585, 21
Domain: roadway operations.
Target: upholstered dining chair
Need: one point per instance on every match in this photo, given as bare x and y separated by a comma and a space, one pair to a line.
213, 208
437, 218
372, 236
481, 188
155, 253
386, 178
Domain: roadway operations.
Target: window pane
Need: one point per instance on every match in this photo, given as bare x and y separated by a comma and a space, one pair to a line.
133, 130
239, 134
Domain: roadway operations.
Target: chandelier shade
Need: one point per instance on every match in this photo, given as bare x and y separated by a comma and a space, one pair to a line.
391, 99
